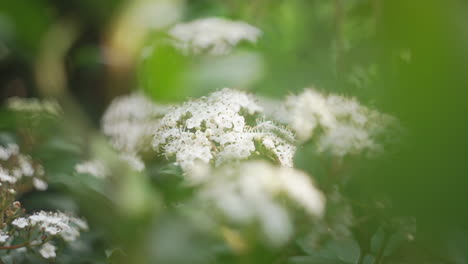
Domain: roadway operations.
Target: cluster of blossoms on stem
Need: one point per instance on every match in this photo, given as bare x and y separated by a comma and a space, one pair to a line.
215, 36
219, 141
337, 124
215, 129
17, 169
250, 192
53, 224
18, 172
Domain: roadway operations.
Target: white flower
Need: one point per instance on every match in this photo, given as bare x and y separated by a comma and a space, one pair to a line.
57, 223
4, 155
4, 177
39, 184
100, 170
214, 128
25, 165
70, 234
93, 167
51, 222
20, 222
8, 151
130, 121
47, 251
34, 105
133, 161
79, 223
215, 36
73, 231
250, 192
3, 237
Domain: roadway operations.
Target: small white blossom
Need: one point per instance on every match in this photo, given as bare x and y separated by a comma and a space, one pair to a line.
4, 177
73, 231
25, 165
101, 170
20, 222
8, 151
40, 184
133, 161
19, 165
130, 121
80, 223
93, 167
215, 36
34, 105
47, 251
51, 222
70, 234
3, 237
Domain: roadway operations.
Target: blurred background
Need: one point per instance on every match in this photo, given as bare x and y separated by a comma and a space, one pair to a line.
406, 58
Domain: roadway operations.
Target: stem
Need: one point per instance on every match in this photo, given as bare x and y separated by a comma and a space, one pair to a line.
380, 254
26, 244
339, 46
376, 12
15, 246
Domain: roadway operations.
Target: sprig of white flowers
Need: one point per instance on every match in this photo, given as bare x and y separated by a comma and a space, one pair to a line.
337, 124
38, 229
16, 167
215, 36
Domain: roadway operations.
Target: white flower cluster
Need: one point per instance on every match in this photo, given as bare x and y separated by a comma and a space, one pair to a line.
53, 223
95, 168
15, 170
215, 128
248, 192
3, 237
39, 228
338, 124
214, 36
130, 120
15, 166
34, 105
100, 170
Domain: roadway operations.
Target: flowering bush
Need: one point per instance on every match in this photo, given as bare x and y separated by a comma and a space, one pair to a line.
286, 132
35, 232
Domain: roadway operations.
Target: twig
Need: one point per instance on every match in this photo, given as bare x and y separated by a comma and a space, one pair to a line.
15, 246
